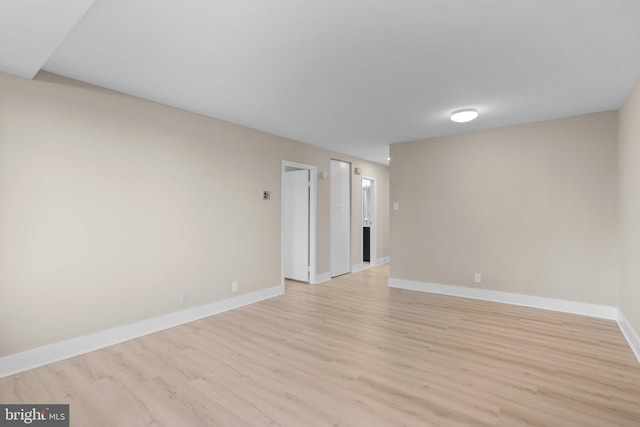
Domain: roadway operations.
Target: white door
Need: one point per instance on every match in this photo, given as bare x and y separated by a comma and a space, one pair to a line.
296, 225
340, 218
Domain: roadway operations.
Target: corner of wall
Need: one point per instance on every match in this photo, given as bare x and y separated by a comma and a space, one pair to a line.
629, 333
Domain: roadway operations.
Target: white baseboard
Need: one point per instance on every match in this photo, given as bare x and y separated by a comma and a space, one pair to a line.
23, 361
383, 260
565, 306
357, 267
630, 334
322, 277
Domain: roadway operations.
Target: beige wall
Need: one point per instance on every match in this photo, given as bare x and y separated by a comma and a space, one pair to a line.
110, 206
533, 208
629, 164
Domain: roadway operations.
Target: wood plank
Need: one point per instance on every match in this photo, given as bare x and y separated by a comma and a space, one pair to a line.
352, 351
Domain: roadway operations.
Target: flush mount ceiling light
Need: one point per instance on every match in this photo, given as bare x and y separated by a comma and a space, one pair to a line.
464, 116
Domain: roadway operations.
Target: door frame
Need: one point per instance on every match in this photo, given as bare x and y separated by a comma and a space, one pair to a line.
313, 176
373, 243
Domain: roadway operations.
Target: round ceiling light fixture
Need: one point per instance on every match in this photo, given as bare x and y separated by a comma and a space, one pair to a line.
464, 116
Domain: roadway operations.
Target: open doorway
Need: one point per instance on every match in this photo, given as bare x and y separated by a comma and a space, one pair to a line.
368, 221
298, 222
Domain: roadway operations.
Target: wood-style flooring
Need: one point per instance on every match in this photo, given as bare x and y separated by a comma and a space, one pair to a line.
353, 352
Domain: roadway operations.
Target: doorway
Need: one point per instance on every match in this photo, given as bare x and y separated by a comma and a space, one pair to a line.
298, 222
368, 221
340, 218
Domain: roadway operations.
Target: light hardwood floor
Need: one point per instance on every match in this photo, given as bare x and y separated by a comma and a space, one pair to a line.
353, 352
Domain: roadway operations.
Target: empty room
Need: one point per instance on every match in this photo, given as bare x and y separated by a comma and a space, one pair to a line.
355, 213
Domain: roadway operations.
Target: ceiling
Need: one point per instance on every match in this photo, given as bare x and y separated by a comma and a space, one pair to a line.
352, 76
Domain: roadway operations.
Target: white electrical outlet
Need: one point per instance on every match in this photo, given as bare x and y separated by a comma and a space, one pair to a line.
234, 286
183, 297
477, 277
396, 206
